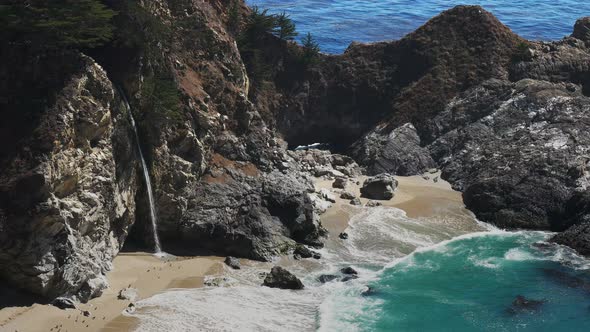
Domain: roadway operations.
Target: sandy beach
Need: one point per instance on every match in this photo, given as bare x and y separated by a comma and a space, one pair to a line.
145, 272
418, 196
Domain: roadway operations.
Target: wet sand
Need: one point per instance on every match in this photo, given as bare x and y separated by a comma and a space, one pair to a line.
418, 196
145, 272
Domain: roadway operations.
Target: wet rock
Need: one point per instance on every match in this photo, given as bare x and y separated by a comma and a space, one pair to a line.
355, 201
64, 303
343, 236
316, 255
379, 187
576, 237
373, 204
349, 277
349, 270
302, 251
232, 262
369, 291
281, 278
129, 294
86, 313
324, 278
340, 183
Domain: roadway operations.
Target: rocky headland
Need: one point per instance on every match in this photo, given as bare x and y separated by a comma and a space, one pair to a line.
505, 119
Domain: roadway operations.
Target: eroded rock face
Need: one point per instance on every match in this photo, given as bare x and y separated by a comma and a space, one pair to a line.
67, 192
397, 152
520, 158
582, 29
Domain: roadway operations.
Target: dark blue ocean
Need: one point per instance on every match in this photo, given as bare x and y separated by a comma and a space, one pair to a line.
336, 23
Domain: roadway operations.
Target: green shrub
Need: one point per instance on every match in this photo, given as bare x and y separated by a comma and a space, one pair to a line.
57, 23
160, 99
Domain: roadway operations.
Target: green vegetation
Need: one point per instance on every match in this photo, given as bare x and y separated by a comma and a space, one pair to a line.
285, 28
56, 24
160, 100
234, 18
311, 49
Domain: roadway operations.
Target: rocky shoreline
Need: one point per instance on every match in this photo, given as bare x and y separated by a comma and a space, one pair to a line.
505, 119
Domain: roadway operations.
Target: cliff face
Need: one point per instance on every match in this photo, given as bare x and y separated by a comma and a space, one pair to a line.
67, 185
506, 124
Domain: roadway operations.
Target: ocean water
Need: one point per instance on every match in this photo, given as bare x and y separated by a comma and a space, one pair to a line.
336, 23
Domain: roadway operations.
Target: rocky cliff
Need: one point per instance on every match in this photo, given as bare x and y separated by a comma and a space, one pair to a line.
506, 120
67, 187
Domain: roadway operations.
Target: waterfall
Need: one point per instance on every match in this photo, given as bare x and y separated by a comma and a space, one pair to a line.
146, 176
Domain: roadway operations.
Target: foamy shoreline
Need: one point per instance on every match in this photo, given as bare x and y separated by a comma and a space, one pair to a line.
417, 196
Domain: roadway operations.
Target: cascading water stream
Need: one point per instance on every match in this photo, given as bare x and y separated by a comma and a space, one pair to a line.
146, 176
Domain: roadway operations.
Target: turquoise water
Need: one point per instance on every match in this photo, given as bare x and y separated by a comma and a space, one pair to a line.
469, 284
336, 23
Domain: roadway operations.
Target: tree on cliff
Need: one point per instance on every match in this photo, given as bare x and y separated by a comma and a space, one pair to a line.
311, 49
56, 24
285, 28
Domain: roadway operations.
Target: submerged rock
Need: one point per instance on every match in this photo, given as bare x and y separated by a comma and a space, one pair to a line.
281, 278
324, 278
522, 304
343, 236
380, 187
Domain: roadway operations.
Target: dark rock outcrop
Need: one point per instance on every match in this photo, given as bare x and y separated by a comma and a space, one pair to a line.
281, 278
324, 278
582, 29
576, 237
348, 270
380, 187
517, 151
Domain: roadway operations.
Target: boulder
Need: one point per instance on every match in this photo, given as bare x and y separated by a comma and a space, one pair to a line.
355, 201
340, 183
302, 251
373, 204
379, 187
63, 303
232, 262
343, 235
281, 278
129, 294
347, 195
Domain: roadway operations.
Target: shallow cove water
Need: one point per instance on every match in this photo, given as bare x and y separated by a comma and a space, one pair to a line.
336, 23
